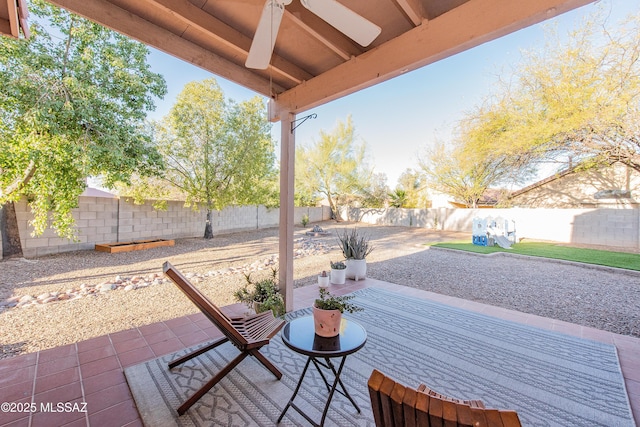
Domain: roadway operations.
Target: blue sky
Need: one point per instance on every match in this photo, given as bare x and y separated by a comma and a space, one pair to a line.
399, 118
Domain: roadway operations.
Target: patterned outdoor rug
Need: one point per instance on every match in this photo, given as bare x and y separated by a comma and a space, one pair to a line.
549, 378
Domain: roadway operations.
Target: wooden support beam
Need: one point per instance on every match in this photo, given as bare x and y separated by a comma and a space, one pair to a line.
287, 163
23, 14
413, 10
14, 22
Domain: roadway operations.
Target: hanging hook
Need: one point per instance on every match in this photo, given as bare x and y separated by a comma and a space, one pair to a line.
302, 120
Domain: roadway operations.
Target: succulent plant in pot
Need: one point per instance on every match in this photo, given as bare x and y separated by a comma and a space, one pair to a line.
262, 295
327, 312
323, 279
355, 248
338, 272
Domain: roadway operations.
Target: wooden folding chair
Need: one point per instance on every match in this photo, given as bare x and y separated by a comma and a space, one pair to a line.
395, 405
248, 334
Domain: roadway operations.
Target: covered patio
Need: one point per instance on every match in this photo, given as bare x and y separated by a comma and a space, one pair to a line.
92, 371
313, 63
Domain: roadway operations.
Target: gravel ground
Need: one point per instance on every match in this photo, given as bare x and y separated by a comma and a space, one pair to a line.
588, 296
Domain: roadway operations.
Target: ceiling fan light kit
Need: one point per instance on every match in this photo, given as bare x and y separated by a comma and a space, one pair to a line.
354, 26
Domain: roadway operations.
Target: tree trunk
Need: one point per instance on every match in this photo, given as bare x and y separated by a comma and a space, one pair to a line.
11, 246
334, 209
208, 229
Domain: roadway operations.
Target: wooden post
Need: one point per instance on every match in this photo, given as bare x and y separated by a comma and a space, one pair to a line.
287, 162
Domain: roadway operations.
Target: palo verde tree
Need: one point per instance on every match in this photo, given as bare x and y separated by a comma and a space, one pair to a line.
217, 152
577, 99
376, 193
464, 171
72, 104
451, 171
333, 167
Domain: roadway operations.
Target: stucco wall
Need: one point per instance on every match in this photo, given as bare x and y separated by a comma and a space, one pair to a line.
599, 226
108, 220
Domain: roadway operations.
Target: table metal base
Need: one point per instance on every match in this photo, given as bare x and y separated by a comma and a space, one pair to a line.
331, 388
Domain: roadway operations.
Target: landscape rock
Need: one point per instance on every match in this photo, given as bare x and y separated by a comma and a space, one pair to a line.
305, 247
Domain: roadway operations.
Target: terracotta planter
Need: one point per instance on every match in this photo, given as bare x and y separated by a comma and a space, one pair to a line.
326, 322
356, 269
338, 276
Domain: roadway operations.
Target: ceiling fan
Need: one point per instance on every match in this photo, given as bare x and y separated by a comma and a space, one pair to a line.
337, 15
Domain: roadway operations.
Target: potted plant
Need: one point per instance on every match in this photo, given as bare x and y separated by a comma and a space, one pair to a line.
338, 272
355, 249
323, 279
327, 312
262, 295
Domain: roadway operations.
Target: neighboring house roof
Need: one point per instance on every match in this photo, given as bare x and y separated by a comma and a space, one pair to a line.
544, 181
489, 199
610, 185
94, 192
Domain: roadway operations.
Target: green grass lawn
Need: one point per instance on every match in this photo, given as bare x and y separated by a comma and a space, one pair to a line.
549, 250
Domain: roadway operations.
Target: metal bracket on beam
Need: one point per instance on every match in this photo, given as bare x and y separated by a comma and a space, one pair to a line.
295, 124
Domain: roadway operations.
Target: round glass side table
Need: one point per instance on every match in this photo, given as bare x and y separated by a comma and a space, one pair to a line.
300, 337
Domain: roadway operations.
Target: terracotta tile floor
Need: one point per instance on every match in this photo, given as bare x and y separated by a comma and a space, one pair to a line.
91, 372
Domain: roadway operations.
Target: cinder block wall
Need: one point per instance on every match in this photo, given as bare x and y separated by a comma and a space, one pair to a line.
96, 219
600, 226
108, 220
140, 222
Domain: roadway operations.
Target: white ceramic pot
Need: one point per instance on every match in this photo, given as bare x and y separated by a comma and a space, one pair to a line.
356, 269
323, 281
326, 322
338, 276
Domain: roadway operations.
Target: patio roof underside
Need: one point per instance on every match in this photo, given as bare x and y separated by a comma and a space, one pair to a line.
13, 18
313, 63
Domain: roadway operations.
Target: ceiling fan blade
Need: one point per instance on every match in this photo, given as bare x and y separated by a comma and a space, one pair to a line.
265, 37
344, 19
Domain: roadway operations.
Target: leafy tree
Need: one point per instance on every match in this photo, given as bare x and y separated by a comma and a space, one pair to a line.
217, 152
334, 166
573, 100
414, 185
375, 195
71, 106
301, 199
462, 174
